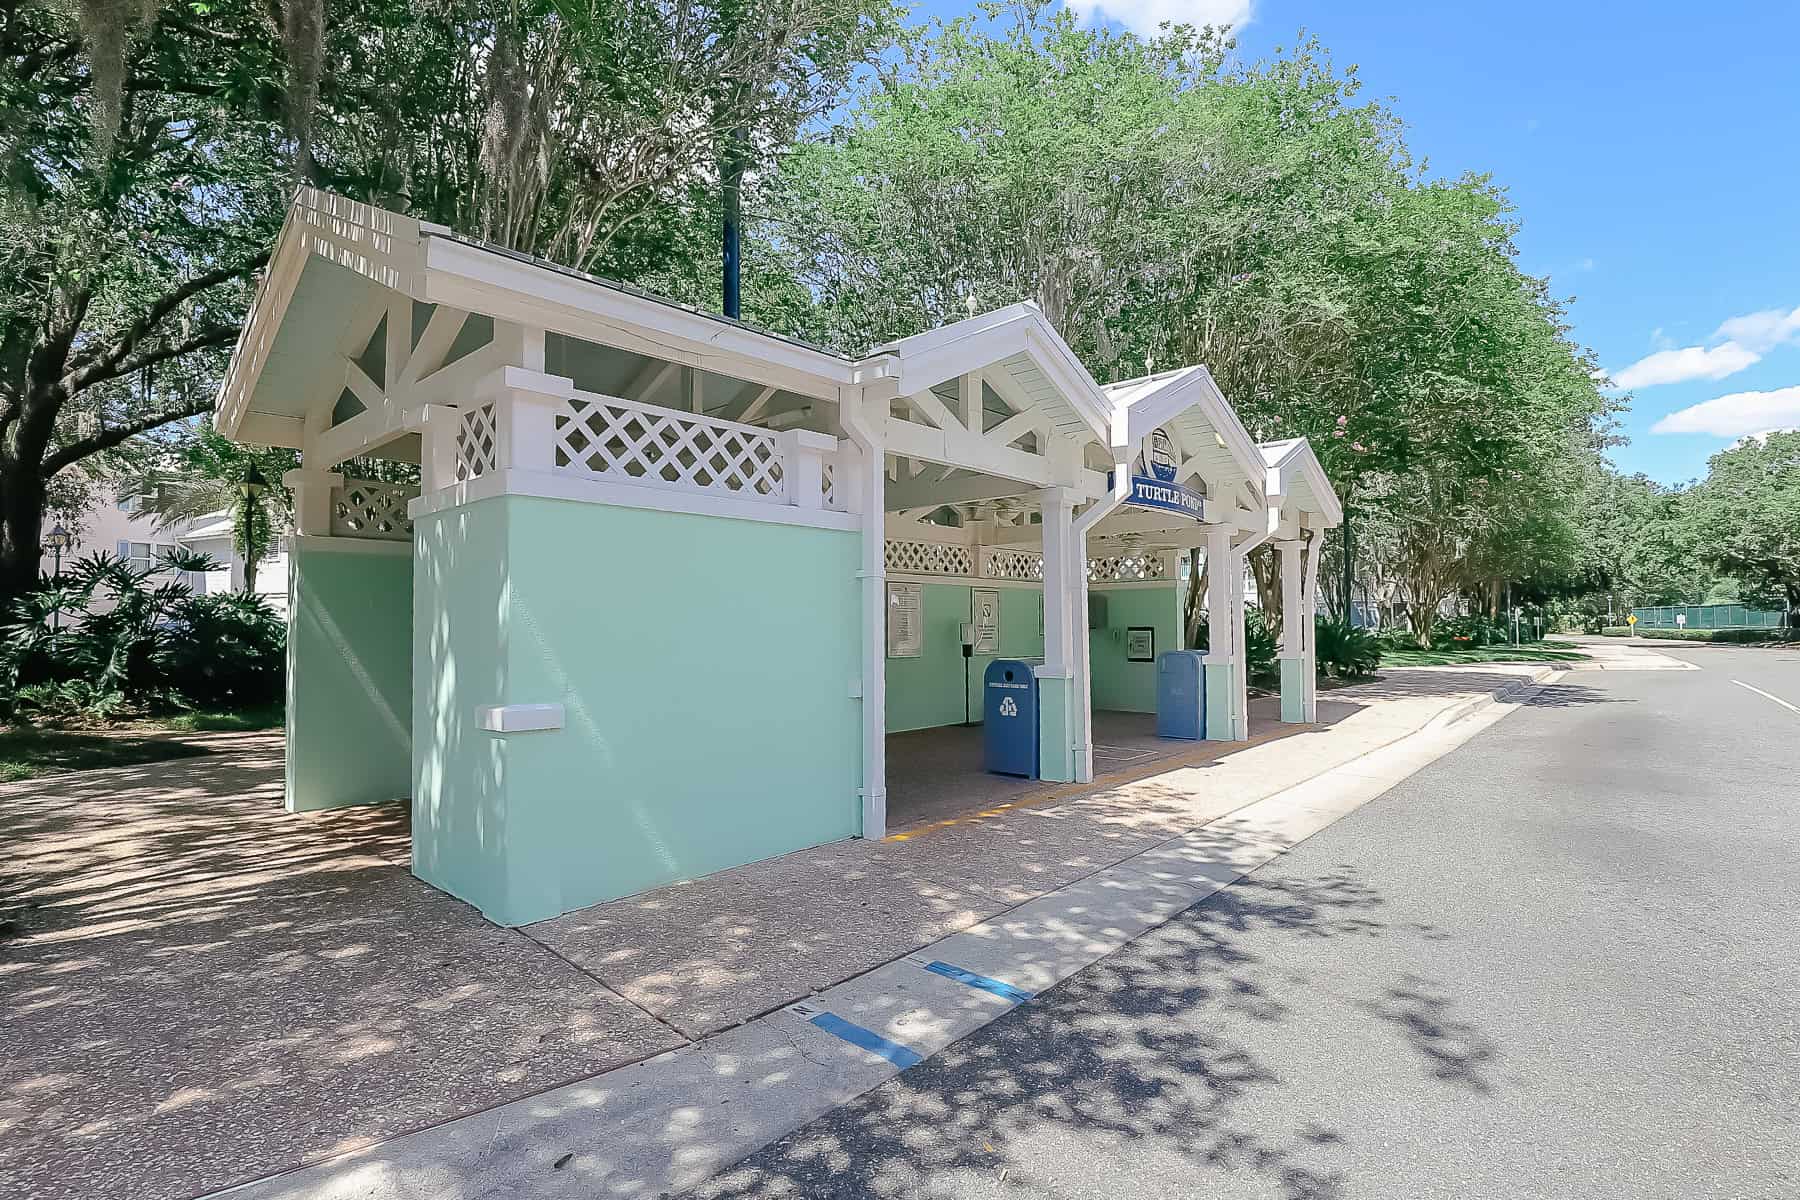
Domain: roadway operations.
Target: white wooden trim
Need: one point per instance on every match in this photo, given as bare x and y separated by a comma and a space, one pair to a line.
519, 718
557, 485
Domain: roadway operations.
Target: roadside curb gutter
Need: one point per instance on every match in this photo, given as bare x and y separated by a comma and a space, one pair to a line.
670, 1122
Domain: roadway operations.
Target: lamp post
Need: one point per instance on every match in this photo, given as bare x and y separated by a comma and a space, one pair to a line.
58, 539
250, 487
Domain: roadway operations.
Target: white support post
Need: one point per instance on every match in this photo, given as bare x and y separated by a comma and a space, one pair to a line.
437, 448
1240, 670
1059, 549
870, 478
1059, 718
312, 499
803, 465
1293, 633
1309, 606
1221, 661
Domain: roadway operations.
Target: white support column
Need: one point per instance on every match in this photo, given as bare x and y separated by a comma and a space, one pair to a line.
312, 499
1309, 608
865, 456
437, 448
1293, 633
803, 465
1056, 678
1240, 662
1222, 633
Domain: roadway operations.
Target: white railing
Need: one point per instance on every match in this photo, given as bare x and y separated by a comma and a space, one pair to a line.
608, 438
1004, 563
1128, 568
477, 442
363, 508
526, 422
928, 558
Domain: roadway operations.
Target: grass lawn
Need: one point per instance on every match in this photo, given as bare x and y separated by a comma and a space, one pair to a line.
28, 751
1478, 654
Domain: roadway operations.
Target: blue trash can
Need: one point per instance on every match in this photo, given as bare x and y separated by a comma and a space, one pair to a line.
1180, 695
1009, 716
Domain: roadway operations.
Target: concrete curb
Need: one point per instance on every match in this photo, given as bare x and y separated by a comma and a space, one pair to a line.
670, 1122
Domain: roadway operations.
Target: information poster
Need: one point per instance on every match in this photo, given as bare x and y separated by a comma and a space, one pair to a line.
905, 620
986, 605
1140, 644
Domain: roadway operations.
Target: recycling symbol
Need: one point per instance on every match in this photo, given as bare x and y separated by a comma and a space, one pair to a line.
1008, 707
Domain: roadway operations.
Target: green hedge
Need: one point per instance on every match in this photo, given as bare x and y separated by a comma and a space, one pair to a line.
1697, 635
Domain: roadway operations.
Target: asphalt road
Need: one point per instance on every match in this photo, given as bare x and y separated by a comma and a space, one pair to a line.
1562, 961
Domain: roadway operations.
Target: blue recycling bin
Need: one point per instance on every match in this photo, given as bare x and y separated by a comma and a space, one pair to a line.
1009, 718
1180, 695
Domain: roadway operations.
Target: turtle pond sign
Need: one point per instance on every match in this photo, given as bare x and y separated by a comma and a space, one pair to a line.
1157, 488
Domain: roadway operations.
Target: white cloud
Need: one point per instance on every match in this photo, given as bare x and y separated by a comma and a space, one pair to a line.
1690, 362
1737, 343
1762, 331
1737, 415
1143, 16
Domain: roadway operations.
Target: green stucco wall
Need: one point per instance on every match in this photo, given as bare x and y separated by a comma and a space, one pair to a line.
704, 665
1218, 680
927, 691
1131, 686
349, 677
1293, 690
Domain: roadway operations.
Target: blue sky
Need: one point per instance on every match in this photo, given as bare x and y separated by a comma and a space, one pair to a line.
1653, 151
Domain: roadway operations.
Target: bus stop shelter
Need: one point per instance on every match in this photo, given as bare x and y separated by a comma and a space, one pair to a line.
645, 614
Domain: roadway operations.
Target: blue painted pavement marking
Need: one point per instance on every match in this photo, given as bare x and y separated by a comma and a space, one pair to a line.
901, 1056
1005, 991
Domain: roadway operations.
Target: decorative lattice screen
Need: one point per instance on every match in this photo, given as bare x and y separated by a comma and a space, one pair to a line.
624, 441
366, 509
929, 558
1014, 564
477, 442
1126, 568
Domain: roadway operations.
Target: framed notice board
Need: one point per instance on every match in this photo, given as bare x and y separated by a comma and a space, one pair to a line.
905, 620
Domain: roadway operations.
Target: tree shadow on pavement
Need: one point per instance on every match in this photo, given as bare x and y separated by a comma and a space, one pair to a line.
1146, 1060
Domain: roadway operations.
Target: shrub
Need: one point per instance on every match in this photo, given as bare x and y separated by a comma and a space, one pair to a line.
146, 646
1711, 635
1345, 651
1259, 647
1615, 631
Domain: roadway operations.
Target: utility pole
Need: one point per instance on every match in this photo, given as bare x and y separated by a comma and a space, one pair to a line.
731, 176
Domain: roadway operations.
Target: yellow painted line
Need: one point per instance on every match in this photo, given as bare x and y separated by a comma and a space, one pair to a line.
1777, 699
1064, 791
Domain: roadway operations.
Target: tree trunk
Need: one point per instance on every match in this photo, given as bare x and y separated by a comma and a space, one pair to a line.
21, 528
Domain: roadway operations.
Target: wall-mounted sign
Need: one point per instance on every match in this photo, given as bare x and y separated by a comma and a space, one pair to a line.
1140, 644
1163, 464
905, 620
1147, 492
985, 606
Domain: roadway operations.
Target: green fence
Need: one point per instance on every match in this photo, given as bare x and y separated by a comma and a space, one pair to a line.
1708, 616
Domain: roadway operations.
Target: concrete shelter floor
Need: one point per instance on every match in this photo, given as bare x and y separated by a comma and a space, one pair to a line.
936, 774
205, 990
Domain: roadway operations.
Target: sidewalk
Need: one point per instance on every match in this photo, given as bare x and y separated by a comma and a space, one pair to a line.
208, 991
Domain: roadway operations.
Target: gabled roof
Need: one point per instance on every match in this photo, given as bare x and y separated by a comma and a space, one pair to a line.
1297, 481
1190, 404
1017, 341
338, 257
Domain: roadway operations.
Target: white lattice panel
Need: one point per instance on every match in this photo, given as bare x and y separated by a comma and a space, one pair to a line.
477, 442
1014, 564
1127, 568
929, 558
623, 441
366, 509
828, 485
